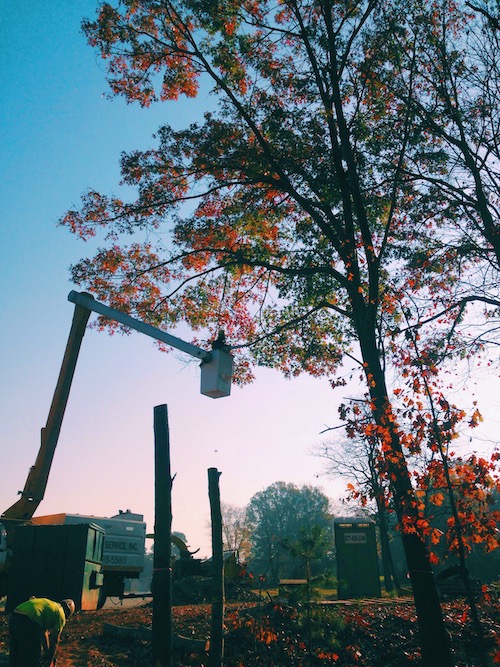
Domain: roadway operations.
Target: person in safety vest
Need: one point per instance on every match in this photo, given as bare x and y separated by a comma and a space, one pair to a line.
35, 628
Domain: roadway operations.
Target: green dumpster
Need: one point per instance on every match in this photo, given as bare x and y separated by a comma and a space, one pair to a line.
57, 562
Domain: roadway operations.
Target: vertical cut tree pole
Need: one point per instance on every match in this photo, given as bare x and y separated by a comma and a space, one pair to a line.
162, 645
216, 655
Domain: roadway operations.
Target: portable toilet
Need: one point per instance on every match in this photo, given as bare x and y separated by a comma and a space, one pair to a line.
57, 562
357, 560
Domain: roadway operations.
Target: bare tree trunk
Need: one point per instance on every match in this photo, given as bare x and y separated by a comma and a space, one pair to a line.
216, 654
162, 644
390, 579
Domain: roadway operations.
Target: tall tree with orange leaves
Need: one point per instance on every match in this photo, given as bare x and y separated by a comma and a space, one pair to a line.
289, 216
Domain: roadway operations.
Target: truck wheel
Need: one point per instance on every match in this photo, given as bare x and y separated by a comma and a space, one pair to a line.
102, 598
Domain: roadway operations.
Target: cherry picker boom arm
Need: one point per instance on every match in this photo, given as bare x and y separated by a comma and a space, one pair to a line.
216, 364
36, 482
216, 377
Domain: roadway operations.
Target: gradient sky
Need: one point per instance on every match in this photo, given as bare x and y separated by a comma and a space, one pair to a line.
60, 135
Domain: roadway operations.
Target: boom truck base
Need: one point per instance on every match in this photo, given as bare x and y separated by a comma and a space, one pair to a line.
123, 555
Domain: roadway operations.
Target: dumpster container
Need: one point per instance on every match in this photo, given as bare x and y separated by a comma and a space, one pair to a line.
57, 562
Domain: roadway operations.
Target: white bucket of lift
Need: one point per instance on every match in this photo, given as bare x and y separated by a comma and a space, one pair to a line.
217, 374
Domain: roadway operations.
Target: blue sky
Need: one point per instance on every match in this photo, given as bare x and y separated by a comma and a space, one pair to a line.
60, 135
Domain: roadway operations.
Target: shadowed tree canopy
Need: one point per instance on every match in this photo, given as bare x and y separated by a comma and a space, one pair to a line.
339, 189
280, 515
335, 176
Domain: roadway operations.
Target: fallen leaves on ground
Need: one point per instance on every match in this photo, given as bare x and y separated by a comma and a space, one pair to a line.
272, 635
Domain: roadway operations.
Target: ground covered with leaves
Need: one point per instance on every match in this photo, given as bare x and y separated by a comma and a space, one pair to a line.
369, 634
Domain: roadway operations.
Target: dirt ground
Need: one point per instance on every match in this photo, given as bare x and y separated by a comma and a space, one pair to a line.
371, 634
